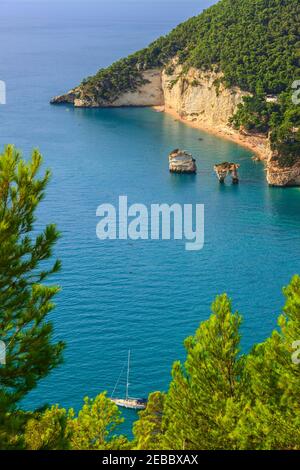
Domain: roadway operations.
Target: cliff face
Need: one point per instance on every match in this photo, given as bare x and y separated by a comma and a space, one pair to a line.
201, 99
198, 98
282, 176
263, 66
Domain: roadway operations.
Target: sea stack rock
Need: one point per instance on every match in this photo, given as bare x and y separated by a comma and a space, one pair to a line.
224, 169
181, 161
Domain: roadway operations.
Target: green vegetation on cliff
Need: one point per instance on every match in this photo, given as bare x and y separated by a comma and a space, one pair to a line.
255, 43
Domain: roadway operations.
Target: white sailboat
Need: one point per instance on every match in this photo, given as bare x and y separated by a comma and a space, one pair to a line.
128, 402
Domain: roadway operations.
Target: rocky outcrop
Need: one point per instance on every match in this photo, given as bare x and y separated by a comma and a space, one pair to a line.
282, 176
198, 98
66, 98
224, 169
181, 161
148, 94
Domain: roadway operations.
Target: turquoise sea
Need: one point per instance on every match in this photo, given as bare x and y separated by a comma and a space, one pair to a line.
143, 295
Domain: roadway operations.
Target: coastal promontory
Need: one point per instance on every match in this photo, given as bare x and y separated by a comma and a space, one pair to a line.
231, 70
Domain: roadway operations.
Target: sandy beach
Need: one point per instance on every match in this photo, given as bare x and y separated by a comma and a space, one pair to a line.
257, 144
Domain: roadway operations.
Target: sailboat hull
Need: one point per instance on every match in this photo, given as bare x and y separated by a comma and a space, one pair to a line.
132, 403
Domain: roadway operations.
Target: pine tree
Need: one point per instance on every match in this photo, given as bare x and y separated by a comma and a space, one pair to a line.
216, 400
271, 419
94, 427
148, 429
48, 430
25, 301
200, 410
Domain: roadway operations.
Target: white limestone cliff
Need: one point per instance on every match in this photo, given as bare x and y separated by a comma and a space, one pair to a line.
198, 98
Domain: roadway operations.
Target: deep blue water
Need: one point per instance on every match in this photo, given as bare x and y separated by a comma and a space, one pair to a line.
143, 295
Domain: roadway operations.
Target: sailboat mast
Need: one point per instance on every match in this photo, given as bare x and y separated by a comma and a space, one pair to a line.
127, 381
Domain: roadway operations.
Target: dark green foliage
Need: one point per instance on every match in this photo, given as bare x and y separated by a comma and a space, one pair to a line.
92, 429
255, 43
253, 114
285, 135
280, 119
47, 430
25, 301
201, 406
271, 415
219, 399
109, 83
148, 429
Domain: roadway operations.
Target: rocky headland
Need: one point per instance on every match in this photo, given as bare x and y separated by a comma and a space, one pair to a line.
230, 92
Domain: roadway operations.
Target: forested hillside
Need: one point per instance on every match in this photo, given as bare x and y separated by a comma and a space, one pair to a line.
255, 43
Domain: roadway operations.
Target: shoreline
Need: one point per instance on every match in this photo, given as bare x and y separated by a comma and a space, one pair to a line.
257, 144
